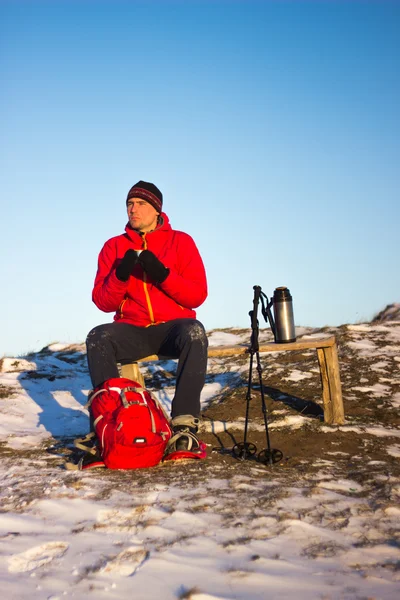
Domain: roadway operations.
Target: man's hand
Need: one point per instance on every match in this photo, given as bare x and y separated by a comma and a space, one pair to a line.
153, 267
125, 267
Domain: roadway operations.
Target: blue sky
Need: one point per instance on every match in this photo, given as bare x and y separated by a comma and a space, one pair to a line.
272, 129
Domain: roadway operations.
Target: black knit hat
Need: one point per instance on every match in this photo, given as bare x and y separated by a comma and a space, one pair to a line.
146, 191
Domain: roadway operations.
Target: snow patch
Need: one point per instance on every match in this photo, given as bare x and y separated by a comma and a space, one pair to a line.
17, 365
362, 430
36, 557
223, 338
394, 450
345, 485
296, 375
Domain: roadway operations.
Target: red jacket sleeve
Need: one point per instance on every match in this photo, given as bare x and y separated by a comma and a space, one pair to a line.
186, 284
108, 291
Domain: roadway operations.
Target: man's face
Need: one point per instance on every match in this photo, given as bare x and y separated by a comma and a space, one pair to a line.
142, 215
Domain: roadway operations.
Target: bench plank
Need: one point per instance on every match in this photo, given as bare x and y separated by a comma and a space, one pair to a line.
326, 342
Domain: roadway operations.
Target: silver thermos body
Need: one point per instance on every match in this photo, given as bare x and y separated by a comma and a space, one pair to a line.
283, 316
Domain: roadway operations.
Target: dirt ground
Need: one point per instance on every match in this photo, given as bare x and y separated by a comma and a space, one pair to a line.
305, 448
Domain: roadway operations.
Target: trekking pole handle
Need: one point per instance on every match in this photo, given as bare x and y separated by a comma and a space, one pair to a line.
256, 300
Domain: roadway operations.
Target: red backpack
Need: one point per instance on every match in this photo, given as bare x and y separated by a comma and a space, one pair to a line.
131, 427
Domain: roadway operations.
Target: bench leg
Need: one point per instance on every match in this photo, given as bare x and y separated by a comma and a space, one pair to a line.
331, 385
132, 371
326, 393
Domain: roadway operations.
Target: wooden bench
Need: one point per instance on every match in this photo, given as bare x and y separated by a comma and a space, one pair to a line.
327, 359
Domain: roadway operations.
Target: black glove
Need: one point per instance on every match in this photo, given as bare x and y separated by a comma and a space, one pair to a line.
153, 267
126, 265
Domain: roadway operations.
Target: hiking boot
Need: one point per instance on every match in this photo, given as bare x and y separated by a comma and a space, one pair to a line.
187, 438
185, 428
91, 461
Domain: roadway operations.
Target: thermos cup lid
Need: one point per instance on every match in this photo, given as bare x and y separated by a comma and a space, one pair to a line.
282, 294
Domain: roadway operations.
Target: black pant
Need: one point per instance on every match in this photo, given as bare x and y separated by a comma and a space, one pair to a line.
184, 339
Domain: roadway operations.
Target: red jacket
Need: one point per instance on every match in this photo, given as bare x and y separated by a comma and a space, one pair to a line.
139, 301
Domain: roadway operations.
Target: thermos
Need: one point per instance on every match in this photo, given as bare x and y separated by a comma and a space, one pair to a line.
283, 316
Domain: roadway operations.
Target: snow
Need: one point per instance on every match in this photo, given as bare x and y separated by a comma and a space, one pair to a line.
94, 545
296, 375
58, 347
294, 421
394, 451
363, 345
396, 400
377, 390
224, 338
19, 365
247, 536
341, 485
362, 430
311, 336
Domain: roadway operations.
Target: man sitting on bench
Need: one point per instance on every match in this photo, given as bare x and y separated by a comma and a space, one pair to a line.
153, 278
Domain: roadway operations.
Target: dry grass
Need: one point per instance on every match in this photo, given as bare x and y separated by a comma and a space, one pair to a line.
6, 391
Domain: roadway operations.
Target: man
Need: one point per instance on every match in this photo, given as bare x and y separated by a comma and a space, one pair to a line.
153, 278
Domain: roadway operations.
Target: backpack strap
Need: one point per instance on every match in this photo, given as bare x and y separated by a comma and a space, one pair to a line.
92, 396
90, 459
159, 405
81, 443
138, 390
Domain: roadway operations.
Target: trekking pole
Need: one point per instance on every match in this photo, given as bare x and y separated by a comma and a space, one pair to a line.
246, 449
268, 455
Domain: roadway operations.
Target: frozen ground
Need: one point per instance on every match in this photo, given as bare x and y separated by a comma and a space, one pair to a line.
323, 523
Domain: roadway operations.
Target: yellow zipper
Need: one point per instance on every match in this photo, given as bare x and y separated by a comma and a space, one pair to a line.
121, 314
146, 291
